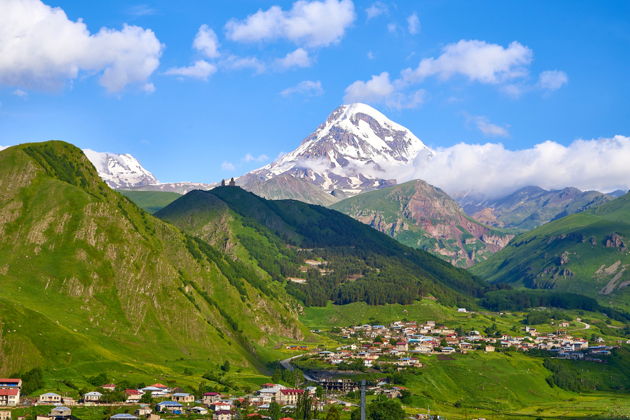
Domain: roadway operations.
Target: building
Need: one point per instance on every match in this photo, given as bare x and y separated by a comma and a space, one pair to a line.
109, 387
222, 415
60, 413
171, 407
93, 397
211, 398
199, 410
182, 397
10, 391
49, 398
123, 416
133, 395
288, 396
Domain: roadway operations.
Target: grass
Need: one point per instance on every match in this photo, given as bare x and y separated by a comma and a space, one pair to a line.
151, 201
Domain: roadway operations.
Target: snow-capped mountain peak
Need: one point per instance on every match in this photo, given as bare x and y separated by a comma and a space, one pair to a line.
354, 150
120, 170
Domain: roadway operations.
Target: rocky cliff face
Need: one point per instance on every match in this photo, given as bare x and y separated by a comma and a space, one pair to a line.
422, 216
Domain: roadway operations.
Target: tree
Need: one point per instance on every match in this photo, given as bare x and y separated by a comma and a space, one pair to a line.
146, 398
225, 367
333, 413
304, 407
274, 411
381, 408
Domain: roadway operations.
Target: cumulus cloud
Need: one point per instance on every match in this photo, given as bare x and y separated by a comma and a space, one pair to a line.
492, 170
234, 62
206, 42
41, 48
476, 60
375, 10
228, 166
307, 23
552, 79
486, 127
380, 89
201, 69
413, 24
3, 147
297, 58
305, 87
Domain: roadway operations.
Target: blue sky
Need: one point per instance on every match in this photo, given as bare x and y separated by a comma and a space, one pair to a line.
517, 73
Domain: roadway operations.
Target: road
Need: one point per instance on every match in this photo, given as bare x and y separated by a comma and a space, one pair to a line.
286, 363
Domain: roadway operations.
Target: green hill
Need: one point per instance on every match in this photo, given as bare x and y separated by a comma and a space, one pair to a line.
422, 216
151, 201
325, 255
90, 283
584, 253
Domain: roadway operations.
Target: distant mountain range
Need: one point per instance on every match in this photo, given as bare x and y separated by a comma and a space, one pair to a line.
350, 157
530, 207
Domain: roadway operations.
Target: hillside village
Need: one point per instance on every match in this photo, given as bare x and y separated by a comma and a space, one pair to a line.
399, 344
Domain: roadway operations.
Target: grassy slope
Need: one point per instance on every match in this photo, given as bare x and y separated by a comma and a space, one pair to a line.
91, 283
280, 226
151, 201
389, 208
533, 259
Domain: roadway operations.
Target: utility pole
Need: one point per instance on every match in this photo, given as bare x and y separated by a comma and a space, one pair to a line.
363, 417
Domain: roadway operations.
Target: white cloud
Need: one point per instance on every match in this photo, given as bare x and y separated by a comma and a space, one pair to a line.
413, 24
297, 58
306, 87
552, 79
251, 158
3, 147
392, 27
486, 127
375, 10
370, 55
141, 10
228, 166
21, 93
234, 62
476, 60
201, 69
492, 170
308, 23
206, 42
41, 48
380, 89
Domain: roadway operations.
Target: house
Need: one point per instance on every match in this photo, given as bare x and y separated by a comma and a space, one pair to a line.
10, 391
222, 415
68, 401
183, 397
489, 348
60, 412
49, 398
288, 396
5, 415
170, 406
211, 397
448, 350
92, 397
199, 410
133, 395
124, 416
144, 410
461, 310
109, 387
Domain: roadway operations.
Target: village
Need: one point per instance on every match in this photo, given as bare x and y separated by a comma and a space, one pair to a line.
171, 402
400, 343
